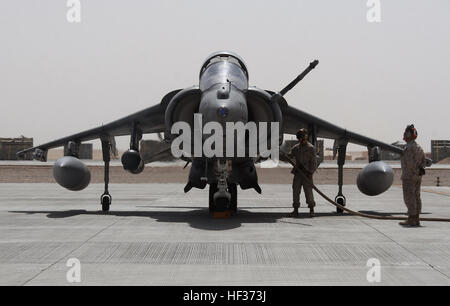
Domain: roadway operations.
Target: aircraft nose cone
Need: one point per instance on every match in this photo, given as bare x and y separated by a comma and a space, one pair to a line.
233, 109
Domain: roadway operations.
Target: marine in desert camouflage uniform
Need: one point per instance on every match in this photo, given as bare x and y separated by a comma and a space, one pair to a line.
413, 163
304, 156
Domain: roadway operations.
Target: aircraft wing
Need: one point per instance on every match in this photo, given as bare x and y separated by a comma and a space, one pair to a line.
149, 120
294, 119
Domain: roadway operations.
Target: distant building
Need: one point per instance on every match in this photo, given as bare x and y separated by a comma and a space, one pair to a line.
10, 146
154, 150
387, 155
440, 149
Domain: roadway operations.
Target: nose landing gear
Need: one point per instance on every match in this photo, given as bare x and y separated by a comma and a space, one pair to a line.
223, 196
222, 205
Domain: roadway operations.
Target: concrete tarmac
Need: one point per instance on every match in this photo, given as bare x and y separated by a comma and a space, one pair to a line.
157, 235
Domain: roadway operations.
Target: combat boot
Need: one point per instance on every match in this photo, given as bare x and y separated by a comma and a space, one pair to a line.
408, 222
311, 212
294, 213
416, 220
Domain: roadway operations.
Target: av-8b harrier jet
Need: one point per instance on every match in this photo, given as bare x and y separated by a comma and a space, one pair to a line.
223, 95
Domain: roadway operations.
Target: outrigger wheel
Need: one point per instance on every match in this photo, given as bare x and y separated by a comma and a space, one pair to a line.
105, 199
340, 199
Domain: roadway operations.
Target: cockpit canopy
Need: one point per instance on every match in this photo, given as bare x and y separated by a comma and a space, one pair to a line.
224, 55
223, 67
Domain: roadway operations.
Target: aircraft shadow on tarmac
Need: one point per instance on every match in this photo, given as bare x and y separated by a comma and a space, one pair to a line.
196, 218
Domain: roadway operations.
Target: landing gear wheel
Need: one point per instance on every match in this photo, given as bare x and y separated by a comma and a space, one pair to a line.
105, 200
212, 191
340, 199
232, 188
